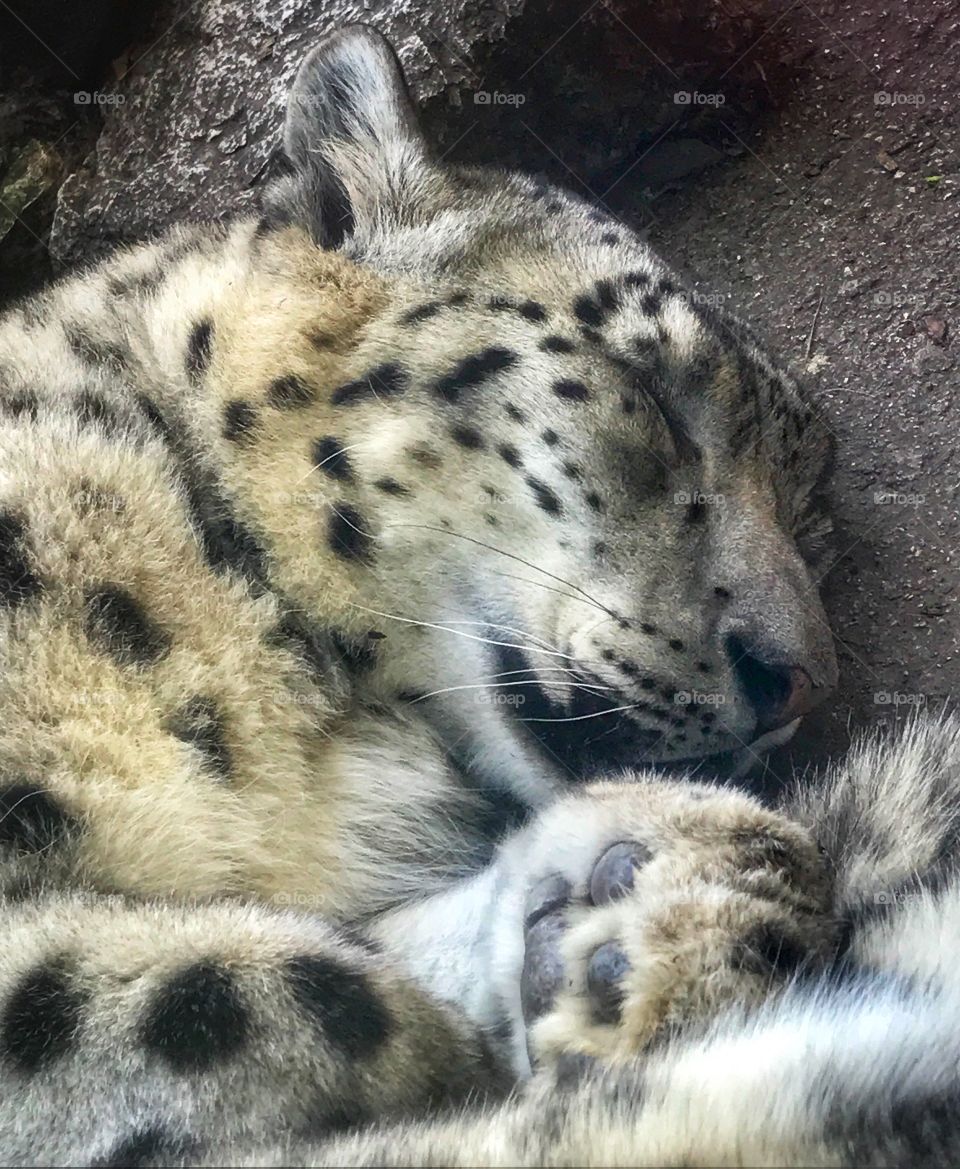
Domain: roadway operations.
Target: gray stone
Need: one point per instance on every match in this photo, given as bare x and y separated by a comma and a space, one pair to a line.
189, 129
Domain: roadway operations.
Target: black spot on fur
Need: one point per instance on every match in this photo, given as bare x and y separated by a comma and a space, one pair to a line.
696, 511
531, 310
347, 533
341, 1002
145, 1147
588, 312
468, 436
554, 344
386, 381
650, 304
591, 335
228, 545
31, 819
550, 437
41, 1018
153, 415
93, 409
356, 655
197, 1019
425, 456
594, 501
391, 487
422, 312
329, 456
21, 405
676, 644
290, 392
515, 413
201, 724
610, 238
573, 391
118, 624
239, 418
509, 454
474, 370
593, 310
636, 279
199, 348
303, 639
321, 340
94, 350
456, 299
573, 471
18, 582
546, 498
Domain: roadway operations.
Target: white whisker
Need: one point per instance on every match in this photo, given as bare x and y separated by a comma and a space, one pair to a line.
460, 632
581, 717
493, 686
512, 556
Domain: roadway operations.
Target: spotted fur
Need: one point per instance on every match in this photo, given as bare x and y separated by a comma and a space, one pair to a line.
340, 547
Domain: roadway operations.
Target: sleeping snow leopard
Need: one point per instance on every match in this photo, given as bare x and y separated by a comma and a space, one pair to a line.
344, 550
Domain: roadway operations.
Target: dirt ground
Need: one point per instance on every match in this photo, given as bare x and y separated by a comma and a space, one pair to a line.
813, 184
838, 233
832, 222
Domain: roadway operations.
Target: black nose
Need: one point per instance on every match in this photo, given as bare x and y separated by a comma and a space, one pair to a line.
777, 693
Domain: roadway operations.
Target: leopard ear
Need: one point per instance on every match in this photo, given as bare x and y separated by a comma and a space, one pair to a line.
351, 137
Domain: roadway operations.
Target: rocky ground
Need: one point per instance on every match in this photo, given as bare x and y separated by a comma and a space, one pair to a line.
797, 157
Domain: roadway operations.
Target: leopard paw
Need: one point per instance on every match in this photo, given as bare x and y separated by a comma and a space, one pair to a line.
649, 905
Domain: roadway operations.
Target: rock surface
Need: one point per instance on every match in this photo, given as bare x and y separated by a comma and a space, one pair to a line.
192, 119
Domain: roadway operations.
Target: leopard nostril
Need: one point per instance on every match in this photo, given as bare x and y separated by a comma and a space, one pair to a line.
778, 693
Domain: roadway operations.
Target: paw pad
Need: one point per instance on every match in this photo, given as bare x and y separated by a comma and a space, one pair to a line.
613, 873
544, 926
605, 970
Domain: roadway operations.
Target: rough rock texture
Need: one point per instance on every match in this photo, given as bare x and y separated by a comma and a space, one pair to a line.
192, 117
190, 126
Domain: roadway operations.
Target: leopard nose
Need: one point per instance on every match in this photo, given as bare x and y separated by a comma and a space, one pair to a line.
778, 693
